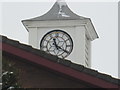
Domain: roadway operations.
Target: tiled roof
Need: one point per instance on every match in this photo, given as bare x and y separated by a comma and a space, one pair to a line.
58, 61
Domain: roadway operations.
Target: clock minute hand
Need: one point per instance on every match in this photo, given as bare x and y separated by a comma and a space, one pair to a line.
62, 49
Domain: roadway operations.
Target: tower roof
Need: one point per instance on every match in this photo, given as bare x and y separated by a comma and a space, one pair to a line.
59, 11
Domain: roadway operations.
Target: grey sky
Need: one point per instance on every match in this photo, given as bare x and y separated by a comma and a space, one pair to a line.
104, 16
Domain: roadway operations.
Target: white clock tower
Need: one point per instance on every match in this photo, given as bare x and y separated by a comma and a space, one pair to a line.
79, 31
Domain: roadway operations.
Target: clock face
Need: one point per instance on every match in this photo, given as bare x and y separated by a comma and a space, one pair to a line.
57, 42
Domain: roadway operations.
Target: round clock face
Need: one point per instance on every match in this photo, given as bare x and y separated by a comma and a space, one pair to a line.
57, 42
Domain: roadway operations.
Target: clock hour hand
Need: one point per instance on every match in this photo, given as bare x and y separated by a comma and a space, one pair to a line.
55, 43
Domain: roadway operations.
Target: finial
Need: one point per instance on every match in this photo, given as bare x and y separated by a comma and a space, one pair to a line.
61, 2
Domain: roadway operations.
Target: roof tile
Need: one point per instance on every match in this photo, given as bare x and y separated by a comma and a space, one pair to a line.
104, 77
77, 67
25, 47
113, 80
44, 54
90, 71
4, 39
11, 42
65, 62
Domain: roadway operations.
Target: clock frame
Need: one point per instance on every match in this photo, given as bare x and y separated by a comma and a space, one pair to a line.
57, 42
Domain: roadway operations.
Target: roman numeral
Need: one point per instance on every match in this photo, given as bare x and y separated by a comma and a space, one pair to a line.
69, 45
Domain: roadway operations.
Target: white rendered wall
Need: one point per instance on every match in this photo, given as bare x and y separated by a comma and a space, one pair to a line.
33, 37
76, 30
78, 36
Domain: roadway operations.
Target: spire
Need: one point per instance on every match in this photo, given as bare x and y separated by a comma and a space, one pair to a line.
59, 11
61, 3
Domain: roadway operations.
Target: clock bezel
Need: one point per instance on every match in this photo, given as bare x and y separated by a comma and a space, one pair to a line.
58, 30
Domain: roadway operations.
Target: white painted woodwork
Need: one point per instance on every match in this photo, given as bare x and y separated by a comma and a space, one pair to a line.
81, 32
60, 17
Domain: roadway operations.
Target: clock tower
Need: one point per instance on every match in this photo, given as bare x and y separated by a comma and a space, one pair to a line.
62, 33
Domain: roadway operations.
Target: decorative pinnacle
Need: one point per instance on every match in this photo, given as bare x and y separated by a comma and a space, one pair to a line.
61, 2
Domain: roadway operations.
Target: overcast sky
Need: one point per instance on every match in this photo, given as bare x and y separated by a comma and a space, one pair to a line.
104, 16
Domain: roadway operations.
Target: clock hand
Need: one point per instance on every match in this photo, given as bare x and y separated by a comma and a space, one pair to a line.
55, 43
58, 47
62, 49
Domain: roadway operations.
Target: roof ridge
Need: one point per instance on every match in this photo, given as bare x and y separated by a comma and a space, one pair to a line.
64, 62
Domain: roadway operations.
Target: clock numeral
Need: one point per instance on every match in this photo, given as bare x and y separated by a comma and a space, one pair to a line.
51, 36
66, 51
46, 40
62, 35
66, 40
56, 34
51, 50
62, 56
69, 45
43, 47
